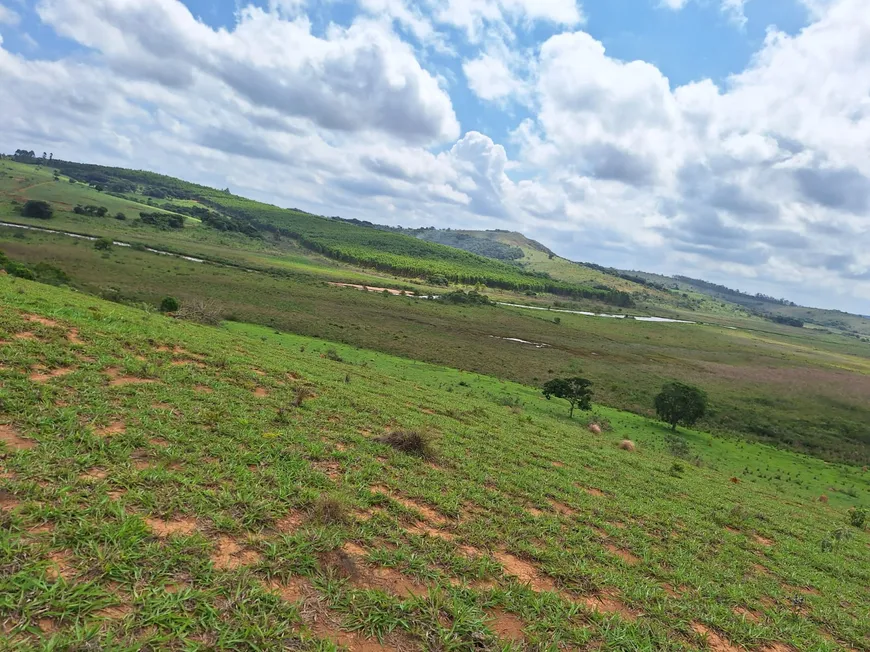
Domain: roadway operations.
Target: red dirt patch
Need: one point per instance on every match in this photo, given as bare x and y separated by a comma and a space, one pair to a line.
180, 525
748, 614
40, 377
779, 647
203, 389
592, 491
561, 507
431, 516
61, 566
117, 427
26, 335
333, 470
762, 540
505, 625
423, 529
350, 640
623, 554
524, 572
8, 501
261, 392
72, 336
376, 577
45, 321
534, 511
293, 590
117, 379
94, 474
714, 641
290, 523
117, 612
609, 603
229, 555
558, 465
10, 437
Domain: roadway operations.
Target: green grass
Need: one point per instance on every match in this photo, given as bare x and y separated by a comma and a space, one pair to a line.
188, 513
801, 389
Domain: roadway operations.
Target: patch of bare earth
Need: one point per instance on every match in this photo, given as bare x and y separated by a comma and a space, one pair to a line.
714, 641
558, 465
351, 559
777, 647
230, 554
764, 541
261, 392
26, 335
94, 474
45, 321
42, 376
10, 437
72, 336
348, 640
592, 491
118, 379
60, 566
747, 614
203, 389
294, 590
562, 508
505, 626
609, 602
179, 525
623, 554
525, 572
115, 612
333, 470
290, 523
116, 427
8, 501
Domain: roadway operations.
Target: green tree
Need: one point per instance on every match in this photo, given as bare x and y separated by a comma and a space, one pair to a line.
577, 391
169, 304
680, 404
103, 244
36, 208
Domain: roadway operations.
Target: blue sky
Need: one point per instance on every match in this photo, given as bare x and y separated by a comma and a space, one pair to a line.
724, 139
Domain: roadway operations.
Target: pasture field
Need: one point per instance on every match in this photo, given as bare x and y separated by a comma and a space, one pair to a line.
166, 485
801, 389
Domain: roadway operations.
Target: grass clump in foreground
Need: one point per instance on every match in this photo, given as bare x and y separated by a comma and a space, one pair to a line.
150, 498
411, 442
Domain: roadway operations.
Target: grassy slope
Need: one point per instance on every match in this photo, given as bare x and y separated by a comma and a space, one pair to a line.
523, 519
807, 388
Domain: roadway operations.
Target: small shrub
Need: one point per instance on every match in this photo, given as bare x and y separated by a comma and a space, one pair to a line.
302, 393
329, 510
411, 442
858, 517
19, 270
627, 445
103, 244
120, 216
333, 355
169, 304
201, 311
677, 470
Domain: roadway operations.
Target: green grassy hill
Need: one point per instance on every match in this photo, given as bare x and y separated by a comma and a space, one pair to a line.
165, 485
800, 389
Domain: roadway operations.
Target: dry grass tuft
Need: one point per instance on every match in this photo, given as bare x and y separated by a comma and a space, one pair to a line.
627, 445
411, 442
329, 510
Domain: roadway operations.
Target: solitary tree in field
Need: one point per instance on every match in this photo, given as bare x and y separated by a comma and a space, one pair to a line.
680, 404
37, 208
577, 391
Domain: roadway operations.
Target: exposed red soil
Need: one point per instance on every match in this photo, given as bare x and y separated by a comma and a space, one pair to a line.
26, 335
558, 465
608, 602
534, 511
592, 491
561, 507
117, 427
762, 540
94, 474
293, 590
261, 392
203, 389
117, 379
41, 376
45, 321
714, 641
8, 501
505, 625
61, 566
116, 612
748, 614
10, 437
351, 640
367, 287
179, 525
229, 554
525, 572
623, 554
72, 336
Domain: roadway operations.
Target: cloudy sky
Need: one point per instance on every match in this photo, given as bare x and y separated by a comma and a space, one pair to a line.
726, 139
